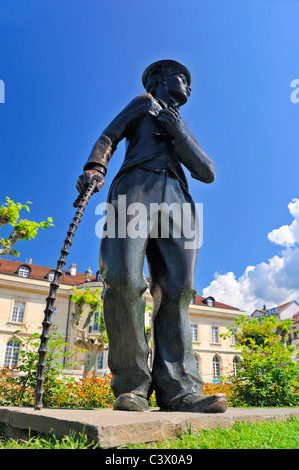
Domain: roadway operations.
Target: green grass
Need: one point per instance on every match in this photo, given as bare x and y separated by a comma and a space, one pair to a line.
49, 441
263, 435
242, 435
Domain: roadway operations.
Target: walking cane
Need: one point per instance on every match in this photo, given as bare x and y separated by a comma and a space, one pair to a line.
81, 202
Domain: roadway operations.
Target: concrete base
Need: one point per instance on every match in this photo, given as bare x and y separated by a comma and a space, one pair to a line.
112, 429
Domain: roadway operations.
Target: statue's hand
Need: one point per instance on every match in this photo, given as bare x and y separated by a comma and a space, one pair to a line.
170, 122
85, 179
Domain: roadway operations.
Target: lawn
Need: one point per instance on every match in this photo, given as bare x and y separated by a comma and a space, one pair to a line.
264, 435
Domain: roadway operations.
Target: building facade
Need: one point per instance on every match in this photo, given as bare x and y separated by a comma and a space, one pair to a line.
288, 310
25, 286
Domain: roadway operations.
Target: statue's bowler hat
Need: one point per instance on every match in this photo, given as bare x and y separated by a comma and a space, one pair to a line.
167, 63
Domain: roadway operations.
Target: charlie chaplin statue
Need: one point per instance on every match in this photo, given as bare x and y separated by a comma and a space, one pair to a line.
158, 143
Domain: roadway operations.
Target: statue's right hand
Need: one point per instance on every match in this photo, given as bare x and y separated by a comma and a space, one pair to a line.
86, 178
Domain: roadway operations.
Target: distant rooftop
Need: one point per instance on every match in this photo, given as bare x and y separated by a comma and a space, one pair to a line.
41, 272
72, 277
199, 300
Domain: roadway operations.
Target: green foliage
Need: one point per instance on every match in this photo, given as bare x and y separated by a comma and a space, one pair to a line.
87, 297
92, 299
17, 385
22, 229
9, 212
267, 374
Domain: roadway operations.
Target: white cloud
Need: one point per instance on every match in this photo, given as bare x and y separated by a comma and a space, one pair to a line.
273, 282
287, 235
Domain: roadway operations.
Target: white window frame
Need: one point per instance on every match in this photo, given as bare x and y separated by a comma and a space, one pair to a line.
18, 312
235, 366
94, 325
215, 334
216, 367
194, 332
24, 271
11, 354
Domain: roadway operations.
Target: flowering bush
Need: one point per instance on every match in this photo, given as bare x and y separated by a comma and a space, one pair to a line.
92, 392
226, 388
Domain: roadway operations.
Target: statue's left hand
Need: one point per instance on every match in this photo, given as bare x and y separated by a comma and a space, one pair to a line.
170, 122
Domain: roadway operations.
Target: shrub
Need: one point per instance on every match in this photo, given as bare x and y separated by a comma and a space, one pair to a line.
267, 374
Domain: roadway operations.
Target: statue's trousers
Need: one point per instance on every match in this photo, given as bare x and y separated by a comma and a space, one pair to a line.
129, 240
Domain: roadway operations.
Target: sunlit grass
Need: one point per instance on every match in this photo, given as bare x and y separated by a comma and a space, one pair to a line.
49, 441
242, 435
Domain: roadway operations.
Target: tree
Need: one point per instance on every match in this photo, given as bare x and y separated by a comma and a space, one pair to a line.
88, 308
267, 373
23, 229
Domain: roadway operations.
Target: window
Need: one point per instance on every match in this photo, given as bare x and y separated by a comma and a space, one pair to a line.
214, 334
235, 366
24, 271
100, 361
194, 331
53, 315
233, 339
196, 360
51, 276
11, 354
210, 301
216, 368
94, 326
18, 312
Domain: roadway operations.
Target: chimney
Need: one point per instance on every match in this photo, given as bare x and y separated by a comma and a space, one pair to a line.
73, 269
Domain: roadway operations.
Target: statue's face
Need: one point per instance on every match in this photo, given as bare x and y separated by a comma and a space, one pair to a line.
177, 87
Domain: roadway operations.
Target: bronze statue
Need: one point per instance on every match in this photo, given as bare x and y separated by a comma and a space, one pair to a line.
158, 143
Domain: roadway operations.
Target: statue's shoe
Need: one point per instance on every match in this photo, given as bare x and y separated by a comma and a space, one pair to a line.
195, 403
130, 402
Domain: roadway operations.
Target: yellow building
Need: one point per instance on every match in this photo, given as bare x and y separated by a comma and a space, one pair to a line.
25, 286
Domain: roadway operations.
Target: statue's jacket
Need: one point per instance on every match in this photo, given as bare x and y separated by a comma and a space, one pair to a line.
148, 147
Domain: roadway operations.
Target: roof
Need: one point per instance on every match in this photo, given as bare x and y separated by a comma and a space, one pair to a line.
41, 272
282, 306
199, 300
275, 310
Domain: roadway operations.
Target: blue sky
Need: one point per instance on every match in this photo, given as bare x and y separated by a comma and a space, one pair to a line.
70, 66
